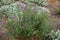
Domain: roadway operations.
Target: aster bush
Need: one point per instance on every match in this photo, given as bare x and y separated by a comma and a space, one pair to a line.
27, 22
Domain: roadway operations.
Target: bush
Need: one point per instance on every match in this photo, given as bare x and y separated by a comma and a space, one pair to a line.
27, 22
58, 10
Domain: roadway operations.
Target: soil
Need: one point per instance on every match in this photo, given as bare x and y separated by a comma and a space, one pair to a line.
52, 9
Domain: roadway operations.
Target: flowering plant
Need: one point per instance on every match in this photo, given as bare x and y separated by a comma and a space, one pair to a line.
28, 22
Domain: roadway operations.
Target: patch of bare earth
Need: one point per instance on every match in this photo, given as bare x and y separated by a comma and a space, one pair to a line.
55, 16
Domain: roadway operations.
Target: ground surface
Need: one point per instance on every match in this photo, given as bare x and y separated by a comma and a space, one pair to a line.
55, 16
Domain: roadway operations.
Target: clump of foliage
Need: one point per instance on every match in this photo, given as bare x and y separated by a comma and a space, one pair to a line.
38, 2
6, 2
58, 10
9, 10
41, 2
54, 35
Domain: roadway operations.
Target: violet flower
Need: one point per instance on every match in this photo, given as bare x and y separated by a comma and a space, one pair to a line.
34, 10
3, 22
21, 20
0, 29
2, 34
23, 27
58, 25
51, 23
14, 17
23, 8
